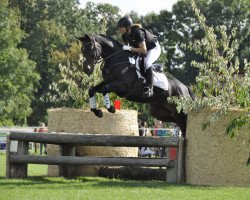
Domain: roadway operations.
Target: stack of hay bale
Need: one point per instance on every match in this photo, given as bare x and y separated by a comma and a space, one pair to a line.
212, 158
68, 120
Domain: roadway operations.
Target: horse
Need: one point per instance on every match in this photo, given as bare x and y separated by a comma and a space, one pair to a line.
121, 78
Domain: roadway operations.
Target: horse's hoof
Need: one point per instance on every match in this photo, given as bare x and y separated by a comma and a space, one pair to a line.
97, 112
111, 109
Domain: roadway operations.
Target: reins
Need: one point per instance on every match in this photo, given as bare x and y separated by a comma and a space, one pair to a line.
101, 60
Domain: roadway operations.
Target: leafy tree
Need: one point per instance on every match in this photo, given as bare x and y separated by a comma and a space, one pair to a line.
181, 26
70, 89
17, 77
217, 84
49, 25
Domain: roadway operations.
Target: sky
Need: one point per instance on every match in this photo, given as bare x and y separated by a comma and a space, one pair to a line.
142, 7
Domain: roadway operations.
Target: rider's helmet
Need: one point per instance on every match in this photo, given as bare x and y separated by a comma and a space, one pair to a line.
125, 22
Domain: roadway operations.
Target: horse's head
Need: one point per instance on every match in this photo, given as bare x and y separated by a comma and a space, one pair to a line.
91, 50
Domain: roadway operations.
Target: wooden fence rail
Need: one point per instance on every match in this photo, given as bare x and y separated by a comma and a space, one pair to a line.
17, 159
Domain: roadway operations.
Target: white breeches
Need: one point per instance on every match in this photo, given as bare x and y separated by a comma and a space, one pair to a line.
152, 56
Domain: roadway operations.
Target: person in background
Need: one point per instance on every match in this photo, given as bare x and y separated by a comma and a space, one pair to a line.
144, 151
176, 131
143, 130
35, 144
160, 131
42, 128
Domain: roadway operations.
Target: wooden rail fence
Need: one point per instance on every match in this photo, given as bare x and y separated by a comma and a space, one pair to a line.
18, 158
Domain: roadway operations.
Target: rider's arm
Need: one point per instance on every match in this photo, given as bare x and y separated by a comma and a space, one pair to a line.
141, 50
125, 42
139, 37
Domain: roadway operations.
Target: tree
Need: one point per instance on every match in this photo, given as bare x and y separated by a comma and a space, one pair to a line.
219, 85
181, 26
70, 87
50, 26
17, 77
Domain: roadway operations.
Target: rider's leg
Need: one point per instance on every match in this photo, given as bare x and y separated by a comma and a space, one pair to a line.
151, 57
148, 90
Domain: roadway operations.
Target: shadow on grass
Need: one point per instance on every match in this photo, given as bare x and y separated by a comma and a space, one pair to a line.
89, 182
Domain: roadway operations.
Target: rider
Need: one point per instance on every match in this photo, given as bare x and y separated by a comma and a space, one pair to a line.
142, 42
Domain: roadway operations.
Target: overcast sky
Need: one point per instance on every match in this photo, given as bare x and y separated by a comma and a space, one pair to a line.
142, 7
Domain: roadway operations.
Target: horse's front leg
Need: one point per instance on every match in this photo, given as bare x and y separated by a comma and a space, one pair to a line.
110, 87
101, 88
92, 99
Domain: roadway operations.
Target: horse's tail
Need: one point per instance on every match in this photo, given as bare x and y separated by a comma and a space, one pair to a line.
192, 95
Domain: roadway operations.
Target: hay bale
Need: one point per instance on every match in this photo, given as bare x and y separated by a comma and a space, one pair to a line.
212, 158
123, 122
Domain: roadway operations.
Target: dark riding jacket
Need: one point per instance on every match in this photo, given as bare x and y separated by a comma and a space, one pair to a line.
137, 36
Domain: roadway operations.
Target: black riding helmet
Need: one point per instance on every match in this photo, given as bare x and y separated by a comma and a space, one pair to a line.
125, 22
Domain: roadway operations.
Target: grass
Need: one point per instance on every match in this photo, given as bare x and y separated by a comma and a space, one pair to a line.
39, 186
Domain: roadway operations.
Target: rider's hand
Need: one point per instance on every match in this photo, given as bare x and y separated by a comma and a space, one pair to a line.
126, 48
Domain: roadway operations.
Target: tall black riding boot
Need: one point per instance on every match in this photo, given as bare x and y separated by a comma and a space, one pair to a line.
148, 90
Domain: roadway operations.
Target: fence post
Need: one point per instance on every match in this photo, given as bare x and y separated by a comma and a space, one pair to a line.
16, 170
7, 156
171, 173
180, 176
67, 170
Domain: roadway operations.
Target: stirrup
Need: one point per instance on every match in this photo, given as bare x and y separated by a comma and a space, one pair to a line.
147, 92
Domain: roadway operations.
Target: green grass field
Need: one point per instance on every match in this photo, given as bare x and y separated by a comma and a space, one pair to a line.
38, 186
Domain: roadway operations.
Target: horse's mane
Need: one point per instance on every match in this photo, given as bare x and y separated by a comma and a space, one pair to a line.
110, 41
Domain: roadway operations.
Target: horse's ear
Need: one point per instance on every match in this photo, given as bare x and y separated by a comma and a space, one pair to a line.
84, 39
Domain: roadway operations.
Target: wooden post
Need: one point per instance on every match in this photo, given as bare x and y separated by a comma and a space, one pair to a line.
180, 176
171, 173
7, 156
67, 170
18, 170
21, 170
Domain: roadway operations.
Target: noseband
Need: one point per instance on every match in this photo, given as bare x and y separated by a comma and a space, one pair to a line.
95, 50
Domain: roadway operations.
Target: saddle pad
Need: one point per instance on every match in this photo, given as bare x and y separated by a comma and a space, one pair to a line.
160, 80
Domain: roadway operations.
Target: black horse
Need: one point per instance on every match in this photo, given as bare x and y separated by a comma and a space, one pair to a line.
121, 78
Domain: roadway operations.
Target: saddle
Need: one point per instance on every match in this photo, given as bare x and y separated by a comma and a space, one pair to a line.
159, 79
138, 62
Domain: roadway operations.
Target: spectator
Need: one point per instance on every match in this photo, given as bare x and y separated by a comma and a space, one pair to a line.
160, 131
176, 131
146, 152
143, 131
35, 144
42, 129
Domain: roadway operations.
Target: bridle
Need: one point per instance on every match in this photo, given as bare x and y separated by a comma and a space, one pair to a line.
101, 60
95, 52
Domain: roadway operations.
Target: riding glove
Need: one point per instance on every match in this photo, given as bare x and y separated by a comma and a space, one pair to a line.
126, 48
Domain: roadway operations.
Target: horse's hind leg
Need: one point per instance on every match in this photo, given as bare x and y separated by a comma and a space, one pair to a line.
161, 112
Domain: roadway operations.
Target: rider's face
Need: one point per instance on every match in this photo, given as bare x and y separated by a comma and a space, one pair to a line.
122, 30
